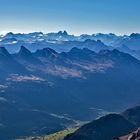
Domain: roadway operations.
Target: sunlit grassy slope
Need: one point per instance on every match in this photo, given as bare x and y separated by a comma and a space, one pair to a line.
59, 135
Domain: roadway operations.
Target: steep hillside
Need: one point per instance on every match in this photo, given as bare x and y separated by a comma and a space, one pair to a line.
105, 128
109, 127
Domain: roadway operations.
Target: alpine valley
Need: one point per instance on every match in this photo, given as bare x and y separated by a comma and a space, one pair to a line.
55, 81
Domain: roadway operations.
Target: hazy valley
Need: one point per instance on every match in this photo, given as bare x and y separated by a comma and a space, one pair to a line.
51, 82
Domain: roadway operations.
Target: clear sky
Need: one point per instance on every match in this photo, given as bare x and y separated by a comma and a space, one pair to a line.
75, 16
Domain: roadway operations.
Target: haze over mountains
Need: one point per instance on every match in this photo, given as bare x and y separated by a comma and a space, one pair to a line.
62, 41
63, 89
64, 80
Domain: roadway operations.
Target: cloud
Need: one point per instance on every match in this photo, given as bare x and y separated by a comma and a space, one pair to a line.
24, 78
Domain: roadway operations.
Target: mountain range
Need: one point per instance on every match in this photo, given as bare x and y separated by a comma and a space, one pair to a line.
62, 41
50, 85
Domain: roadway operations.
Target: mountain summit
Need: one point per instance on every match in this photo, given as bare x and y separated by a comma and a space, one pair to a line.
4, 52
24, 52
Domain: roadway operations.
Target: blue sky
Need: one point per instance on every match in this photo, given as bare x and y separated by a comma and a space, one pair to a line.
75, 16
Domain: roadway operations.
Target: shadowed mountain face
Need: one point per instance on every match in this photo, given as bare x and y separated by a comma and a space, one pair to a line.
24, 52
109, 127
51, 86
133, 115
8, 65
105, 128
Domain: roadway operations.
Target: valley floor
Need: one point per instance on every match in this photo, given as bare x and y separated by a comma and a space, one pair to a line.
59, 135
56, 136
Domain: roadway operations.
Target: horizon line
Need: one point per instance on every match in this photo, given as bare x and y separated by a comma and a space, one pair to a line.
69, 33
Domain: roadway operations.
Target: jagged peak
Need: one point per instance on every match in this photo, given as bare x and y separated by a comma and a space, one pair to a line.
135, 35
49, 50
9, 35
24, 52
46, 52
36, 33
4, 52
75, 49
64, 33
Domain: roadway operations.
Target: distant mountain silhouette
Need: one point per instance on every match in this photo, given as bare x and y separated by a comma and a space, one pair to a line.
62, 41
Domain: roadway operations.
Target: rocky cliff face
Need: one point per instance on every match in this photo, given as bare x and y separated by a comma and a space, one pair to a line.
131, 136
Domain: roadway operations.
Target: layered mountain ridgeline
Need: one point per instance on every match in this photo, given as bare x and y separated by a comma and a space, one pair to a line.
109, 127
54, 87
62, 41
132, 41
